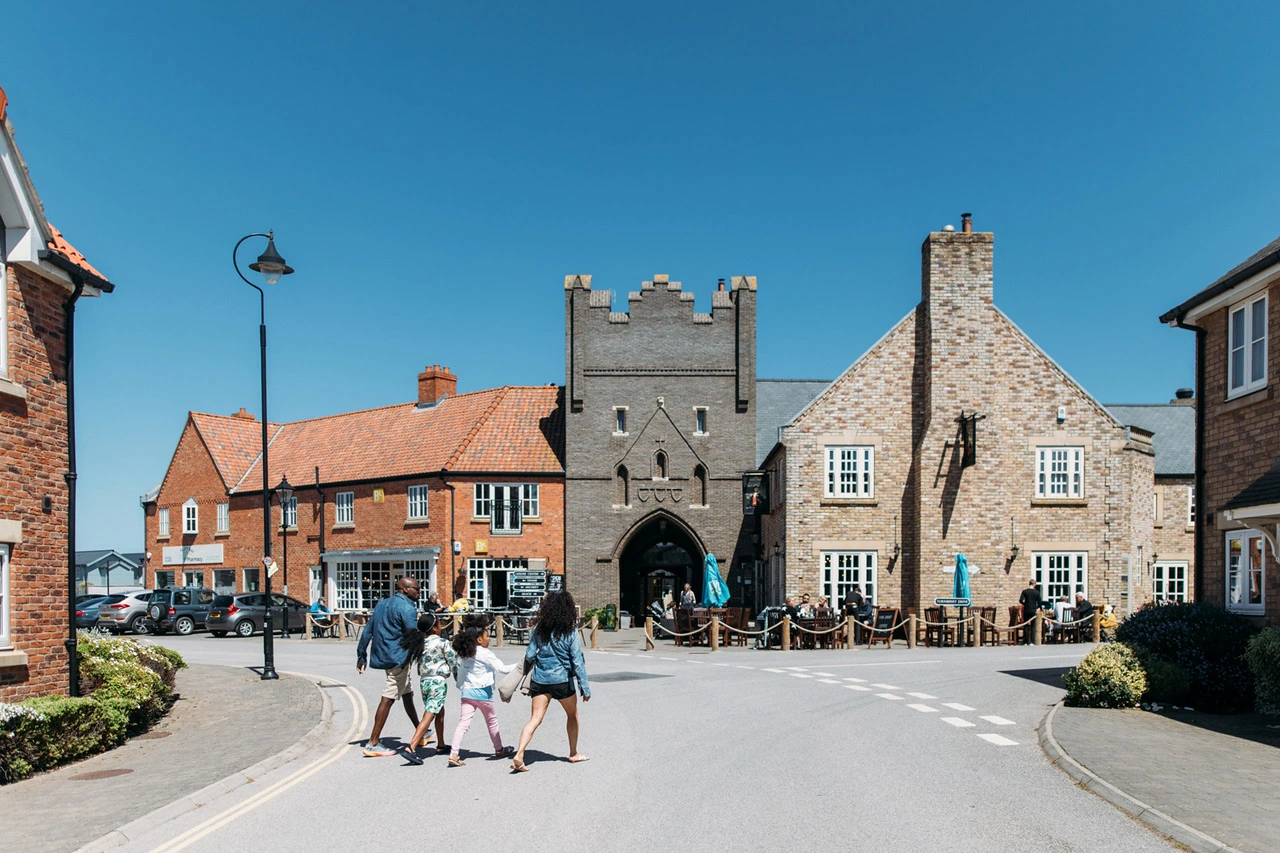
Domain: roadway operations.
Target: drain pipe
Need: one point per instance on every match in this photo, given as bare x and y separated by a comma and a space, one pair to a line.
1201, 333
73, 660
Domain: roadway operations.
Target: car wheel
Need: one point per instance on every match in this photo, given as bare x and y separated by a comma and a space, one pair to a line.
139, 624
184, 625
218, 633
244, 628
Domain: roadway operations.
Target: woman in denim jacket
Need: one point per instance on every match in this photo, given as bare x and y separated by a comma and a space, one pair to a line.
555, 654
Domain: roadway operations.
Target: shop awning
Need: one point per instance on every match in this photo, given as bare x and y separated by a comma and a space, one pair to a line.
381, 555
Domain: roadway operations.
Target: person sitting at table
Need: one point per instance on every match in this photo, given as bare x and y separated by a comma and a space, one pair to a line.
805, 609
1060, 608
1084, 610
321, 616
824, 603
433, 604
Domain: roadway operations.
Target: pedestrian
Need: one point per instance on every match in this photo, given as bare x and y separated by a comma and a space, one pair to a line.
556, 655
436, 663
1030, 601
688, 598
476, 669
380, 645
854, 602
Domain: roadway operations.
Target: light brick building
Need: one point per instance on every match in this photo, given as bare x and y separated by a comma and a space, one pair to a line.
1238, 458
43, 277
396, 487
955, 433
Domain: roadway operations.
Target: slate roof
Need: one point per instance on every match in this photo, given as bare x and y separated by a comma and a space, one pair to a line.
1262, 491
517, 429
1267, 256
88, 558
778, 401
1174, 428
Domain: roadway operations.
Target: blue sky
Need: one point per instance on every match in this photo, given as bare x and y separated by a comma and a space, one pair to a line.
433, 172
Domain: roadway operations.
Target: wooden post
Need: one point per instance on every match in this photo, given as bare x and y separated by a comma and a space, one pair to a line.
1037, 628
786, 633
848, 632
595, 632
1097, 626
306, 628
715, 633
457, 623
648, 633
497, 631
911, 630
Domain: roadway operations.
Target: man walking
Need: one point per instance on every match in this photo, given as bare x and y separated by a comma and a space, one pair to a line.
1030, 601
391, 619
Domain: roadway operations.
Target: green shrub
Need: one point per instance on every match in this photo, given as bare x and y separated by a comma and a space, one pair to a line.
1166, 681
1263, 657
1110, 676
1206, 641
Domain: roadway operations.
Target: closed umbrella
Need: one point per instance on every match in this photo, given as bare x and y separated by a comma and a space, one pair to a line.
961, 587
714, 592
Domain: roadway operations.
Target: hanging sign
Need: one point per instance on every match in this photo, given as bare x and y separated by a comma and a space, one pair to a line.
755, 493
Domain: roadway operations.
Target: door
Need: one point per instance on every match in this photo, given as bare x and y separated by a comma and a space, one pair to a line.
843, 570
507, 511
657, 585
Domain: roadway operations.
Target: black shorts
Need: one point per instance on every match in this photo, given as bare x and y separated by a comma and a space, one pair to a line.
562, 690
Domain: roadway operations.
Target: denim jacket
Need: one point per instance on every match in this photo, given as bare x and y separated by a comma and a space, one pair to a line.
391, 618
559, 660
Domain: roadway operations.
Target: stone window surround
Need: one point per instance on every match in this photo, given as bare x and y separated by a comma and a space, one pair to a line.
9, 657
861, 496
700, 413
620, 420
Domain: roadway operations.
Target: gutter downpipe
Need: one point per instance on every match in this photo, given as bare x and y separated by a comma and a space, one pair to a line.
1201, 333
73, 662
324, 567
453, 568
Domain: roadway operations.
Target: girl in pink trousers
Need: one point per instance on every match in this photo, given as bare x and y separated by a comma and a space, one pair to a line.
477, 667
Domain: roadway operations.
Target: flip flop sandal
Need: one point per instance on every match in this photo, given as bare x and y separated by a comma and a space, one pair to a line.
411, 756
456, 762
519, 767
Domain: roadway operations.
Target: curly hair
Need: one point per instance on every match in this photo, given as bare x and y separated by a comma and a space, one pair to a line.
464, 642
557, 616
414, 640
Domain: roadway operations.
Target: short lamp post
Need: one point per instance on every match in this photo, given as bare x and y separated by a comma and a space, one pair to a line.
284, 494
271, 267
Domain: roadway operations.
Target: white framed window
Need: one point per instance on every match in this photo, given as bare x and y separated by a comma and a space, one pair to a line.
529, 506
850, 472
1247, 346
483, 500
5, 641
162, 522
843, 570
1246, 571
1171, 580
1060, 473
418, 502
1191, 506
619, 420
224, 517
164, 579
193, 577
424, 571
190, 516
346, 586
289, 513
344, 508
1061, 573
224, 581
508, 509
253, 580
699, 420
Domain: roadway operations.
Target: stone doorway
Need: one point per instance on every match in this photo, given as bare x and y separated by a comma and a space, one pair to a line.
660, 556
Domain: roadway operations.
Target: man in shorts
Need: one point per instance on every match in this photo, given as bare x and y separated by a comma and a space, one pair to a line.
380, 645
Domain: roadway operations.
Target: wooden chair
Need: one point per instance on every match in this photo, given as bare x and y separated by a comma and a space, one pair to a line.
1014, 634
683, 625
987, 628
824, 620
1067, 633
922, 637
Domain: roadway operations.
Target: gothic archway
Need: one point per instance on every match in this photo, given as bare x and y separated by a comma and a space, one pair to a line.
659, 553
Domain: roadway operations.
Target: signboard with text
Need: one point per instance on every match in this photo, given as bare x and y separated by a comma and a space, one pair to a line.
191, 555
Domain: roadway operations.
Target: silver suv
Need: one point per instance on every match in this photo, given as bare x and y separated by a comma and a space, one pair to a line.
127, 612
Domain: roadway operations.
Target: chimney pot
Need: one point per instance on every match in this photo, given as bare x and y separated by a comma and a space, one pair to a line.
966, 222
248, 416
721, 284
1186, 396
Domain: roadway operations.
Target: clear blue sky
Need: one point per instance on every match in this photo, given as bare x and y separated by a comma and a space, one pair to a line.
433, 173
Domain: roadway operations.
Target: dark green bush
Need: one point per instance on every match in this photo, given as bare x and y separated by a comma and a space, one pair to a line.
1263, 657
1110, 676
1166, 681
1207, 642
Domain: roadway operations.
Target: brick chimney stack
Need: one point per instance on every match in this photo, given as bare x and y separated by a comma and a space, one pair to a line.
243, 415
435, 383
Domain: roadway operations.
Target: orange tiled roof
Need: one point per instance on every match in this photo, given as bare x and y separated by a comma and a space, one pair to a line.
516, 429
59, 244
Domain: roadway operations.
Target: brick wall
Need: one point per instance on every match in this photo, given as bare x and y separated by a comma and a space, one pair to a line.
33, 447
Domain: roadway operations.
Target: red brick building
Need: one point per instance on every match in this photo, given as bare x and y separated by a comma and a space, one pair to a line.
43, 278
1237, 505
454, 486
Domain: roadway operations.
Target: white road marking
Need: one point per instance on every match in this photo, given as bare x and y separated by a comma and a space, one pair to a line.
799, 675
827, 674
859, 680
886, 663
827, 681
998, 740
668, 658
1048, 657
722, 664
922, 696
999, 721
783, 671
885, 686
691, 660
957, 722
889, 696
857, 687
956, 706
622, 654
740, 666
800, 668
924, 709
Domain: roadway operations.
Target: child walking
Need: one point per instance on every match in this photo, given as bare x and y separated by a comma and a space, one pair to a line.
436, 663
476, 668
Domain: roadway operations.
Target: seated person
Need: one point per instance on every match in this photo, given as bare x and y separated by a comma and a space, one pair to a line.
1060, 608
321, 616
1084, 610
433, 604
805, 609
460, 605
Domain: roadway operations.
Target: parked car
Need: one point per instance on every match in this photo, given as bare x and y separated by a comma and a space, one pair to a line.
179, 609
87, 611
125, 612
244, 613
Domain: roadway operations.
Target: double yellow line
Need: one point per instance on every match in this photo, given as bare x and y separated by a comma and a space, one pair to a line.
359, 719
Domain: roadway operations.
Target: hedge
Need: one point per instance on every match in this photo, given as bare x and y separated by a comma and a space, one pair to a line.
1263, 657
1110, 676
129, 686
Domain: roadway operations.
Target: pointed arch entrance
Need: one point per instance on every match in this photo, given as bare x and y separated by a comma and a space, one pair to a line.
659, 554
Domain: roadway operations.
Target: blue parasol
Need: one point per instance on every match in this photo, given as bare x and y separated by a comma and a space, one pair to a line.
714, 592
961, 587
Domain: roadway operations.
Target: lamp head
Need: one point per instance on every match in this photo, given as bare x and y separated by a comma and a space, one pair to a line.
284, 491
269, 263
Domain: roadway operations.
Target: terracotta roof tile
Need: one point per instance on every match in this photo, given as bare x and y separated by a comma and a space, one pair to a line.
233, 442
59, 244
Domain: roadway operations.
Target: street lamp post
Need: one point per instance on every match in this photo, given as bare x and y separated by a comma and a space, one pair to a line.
272, 267
284, 494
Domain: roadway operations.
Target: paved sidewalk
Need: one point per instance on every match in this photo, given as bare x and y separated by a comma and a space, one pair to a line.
209, 734
1221, 783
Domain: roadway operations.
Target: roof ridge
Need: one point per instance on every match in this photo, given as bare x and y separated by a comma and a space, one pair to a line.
475, 429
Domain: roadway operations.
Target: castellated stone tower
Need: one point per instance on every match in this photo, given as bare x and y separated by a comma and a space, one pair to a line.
659, 429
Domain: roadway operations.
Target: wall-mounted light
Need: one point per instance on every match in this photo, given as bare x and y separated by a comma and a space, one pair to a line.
897, 547
1013, 542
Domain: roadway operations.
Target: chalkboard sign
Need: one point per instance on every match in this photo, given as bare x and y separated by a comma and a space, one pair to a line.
555, 583
886, 618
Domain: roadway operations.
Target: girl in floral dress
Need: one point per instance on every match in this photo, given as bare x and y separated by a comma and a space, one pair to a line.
437, 663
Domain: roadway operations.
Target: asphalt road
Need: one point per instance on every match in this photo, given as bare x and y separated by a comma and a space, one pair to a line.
886, 750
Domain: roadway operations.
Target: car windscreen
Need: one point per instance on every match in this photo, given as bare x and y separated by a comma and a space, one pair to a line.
222, 600
111, 599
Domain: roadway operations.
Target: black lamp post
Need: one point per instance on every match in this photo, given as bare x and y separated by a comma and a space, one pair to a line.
271, 266
284, 494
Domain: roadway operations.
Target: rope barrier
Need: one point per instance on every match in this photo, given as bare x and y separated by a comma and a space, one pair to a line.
674, 634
